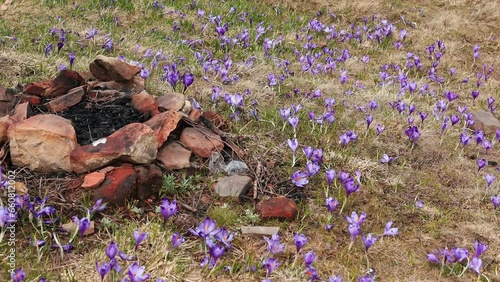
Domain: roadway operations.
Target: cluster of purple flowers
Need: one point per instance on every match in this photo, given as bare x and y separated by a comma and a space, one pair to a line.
172, 75
348, 137
135, 273
314, 157
216, 239
354, 228
236, 103
217, 67
327, 60
274, 247
445, 257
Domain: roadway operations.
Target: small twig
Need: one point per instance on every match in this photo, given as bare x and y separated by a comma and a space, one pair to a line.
257, 178
208, 124
189, 208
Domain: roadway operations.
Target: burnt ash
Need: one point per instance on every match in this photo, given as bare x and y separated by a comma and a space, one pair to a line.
93, 121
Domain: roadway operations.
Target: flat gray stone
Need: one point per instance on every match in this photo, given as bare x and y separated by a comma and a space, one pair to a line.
485, 121
235, 186
259, 230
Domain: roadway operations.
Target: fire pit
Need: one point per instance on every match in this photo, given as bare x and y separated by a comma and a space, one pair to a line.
104, 124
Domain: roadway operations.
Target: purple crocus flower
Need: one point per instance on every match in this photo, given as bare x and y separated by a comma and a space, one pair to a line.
139, 237
379, 129
475, 52
111, 250
479, 248
299, 178
373, 105
273, 81
335, 278
18, 275
91, 33
299, 240
461, 109
308, 152
350, 187
476, 264
450, 95
270, 264
355, 219
59, 45
6, 217
486, 144
168, 209
236, 100
386, 159
172, 75
215, 251
366, 278
480, 164
475, 94
390, 231
144, 74
329, 227
312, 168
369, 120
224, 237
204, 229
102, 269
423, 115
136, 273
479, 136
293, 144
176, 240
413, 133
97, 207
273, 245
113, 264
354, 231
454, 119
37, 243
48, 49
411, 109
344, 139
187, 80
71, 57
495, 200
108, 45
459, 254
331, 204
330, 176
66, 248
309, 258
344, 176
419, 204
369, 240
435, 257
293, 120
83, 224
124, 256
343, 77
490, 101
312, 273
